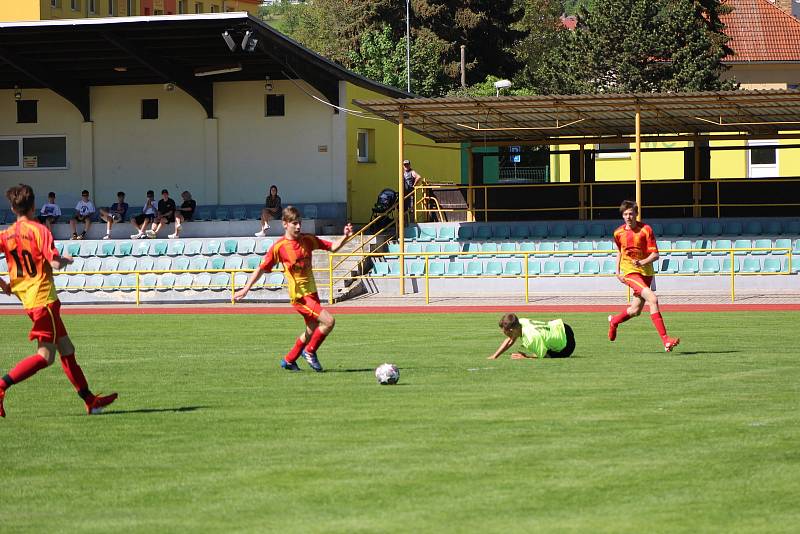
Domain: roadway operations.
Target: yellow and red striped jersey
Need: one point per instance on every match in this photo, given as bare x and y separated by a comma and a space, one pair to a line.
635, 244
295, 255
29, 247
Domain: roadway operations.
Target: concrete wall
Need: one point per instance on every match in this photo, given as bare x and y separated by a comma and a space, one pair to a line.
764, 75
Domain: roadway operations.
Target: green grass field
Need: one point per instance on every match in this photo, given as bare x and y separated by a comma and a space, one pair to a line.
210, 435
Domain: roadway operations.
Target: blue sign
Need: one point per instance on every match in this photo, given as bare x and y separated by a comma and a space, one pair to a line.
516, 156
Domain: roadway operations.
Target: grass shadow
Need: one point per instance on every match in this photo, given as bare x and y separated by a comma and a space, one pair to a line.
180, 409
701, 352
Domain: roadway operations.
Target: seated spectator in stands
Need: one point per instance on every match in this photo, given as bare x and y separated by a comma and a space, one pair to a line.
272, 210
50, 212
141, 221
184, 213
84, 210
165, 215
114, 214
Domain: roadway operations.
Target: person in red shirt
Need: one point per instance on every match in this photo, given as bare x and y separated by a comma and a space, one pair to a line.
637, 252
31, 256
294, 250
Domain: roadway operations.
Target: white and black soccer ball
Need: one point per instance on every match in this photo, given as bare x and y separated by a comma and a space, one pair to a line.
387, 374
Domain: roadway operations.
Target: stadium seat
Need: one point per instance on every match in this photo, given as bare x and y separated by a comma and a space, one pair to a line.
394, 268
590, 267
583, 248
109, 264
165, 282
796, 248
577, 230
668, 266
465, 232
183, 281
74, 249
520, 231
144, 263
507, 249
198, 263
112, 282
689, 266
470, 249
596, 231
527, 246
262, 246
791, 228
761, 243
175, 247
148, 281
446, 233
571, 267
699, 245
94, 282
558, 231
512, 268
127, 264
493, 268
436, 268
674, 229
310, 211
565, 246
393, 249
773, 228
412, 250
124, 248
240, 279
664, 246
732, 228
255, 212
540, 230
547, 247
609, 267
682, 246
216, 263
431, 248
61, 281
551, 267
181, 264
239, 213
204, 213
164, 263
657, 227
158, 248
782, 243
106, 249
233, 262
795, 267
534, 267
455, 268
752, 228
274, 281
713, 228
415, 268
693, 229
220, 281
426, 233
253, 262
751, 265
490, 250
229, 246
771, 265
201, 281
709, 265
483, 231
605, 248
128, 282
211, 247
3, 265
721, 246
221, 214
742, 244
245, 246
76, 282
474, 268
59, 247
501, 231
450, 250
140, 248
92, 264
411, 232
75, 266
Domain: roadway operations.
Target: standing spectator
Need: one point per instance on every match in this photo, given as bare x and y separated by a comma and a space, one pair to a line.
411, 179
166, 214
84, 210
114, 214
272, 209
184, 213
50, 212
141, 221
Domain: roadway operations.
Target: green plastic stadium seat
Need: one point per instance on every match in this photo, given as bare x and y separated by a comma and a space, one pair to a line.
413, 249
229, 246
204, 213
426, 233
773, 228
158, 248
689, 266
664, 246
673, 229
742, 244
240, 279
751, 265
431, 248
124, 248
180, 264
198, 263
436, 268
558, 231
520, 231
501, 231
393, 249
493, 268
547, 247
540, 230
175, 247
782, 243
275, 281
490, 249
455, 268
144, 263
726, 265
61, 281
3, 266
450, 250
112, 282
106, 249
512, 268
709, 265
183, 281
239, 213
577, 230
721, 246
128, 282
201, 281
551, 267
394, 268
59, 247
609, 267
796, 248
148, 281
252, 262
693, 229
565, 246
415, 268
165, 282
75, 266
771, 265
470, 249
590, 267
752, 228
534, 267
245, 246
109, 264
605, 248
220, 281
211, 247
465, 232
76, 282
527, 246
127, 264
701, 244
507, 250
668, 266
310, 211
474, 268
380, 269
411, 232
483, 231
596, 230
216, 262
233, 262
164, 263
74, 249
791, 228
571, 267
262, 246
761, 243
221, 214
680, 247
446, 233
583, 248
732, 228
93, 282
92, 264
713, 228
140, 248
795, 265
657, 227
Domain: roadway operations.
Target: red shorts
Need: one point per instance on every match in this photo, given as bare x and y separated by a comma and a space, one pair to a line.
47, 325
637, 282
309, 307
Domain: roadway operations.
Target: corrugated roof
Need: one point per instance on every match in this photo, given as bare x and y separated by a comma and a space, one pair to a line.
761, 31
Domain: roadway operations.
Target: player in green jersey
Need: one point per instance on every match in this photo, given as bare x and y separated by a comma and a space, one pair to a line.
540, 339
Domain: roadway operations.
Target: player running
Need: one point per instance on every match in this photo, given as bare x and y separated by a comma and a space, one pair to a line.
637, 252
31, 256
294, 252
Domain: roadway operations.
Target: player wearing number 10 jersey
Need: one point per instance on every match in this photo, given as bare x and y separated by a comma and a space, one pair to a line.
31, 257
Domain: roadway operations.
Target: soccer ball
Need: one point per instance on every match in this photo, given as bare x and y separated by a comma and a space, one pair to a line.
387, 374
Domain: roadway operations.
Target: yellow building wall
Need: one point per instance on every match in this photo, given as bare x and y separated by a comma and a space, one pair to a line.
655, 165
728, 163
20, 10
435, 163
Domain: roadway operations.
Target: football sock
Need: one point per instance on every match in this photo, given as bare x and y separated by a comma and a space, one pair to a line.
316, 340
658, 321
24, 370
293, 354
75, 375
621, 317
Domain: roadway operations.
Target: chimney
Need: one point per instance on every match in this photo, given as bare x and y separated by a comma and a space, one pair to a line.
785, 5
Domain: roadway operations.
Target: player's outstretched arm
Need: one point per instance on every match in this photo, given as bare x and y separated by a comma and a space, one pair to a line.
5, 287
348, 231
507, 342
59, 262
242, 293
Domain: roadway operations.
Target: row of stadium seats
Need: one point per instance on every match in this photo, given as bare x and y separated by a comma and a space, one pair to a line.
162, 282
576, 267
163, 263
174, 247
542, 230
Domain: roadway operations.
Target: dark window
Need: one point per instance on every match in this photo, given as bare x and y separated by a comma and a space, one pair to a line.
47, 151
763, 156
150, 108
27, 111
9, 153
275, 106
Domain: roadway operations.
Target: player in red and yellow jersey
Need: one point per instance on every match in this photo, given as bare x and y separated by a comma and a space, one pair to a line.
294, 250
31, 256
637, 252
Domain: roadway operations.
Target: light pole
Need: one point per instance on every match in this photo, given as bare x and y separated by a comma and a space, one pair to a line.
408, 46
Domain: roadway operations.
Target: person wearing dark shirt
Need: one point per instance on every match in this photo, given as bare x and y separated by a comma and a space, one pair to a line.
114, 214
184, 213
166, 214
272, 210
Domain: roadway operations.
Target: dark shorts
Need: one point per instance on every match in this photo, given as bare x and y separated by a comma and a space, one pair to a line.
567, 351
637, 282
309, 307
169, 218
47, 325
44, 218
82, 218
141, 218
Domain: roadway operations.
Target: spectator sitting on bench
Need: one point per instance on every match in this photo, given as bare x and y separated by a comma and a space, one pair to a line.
184, 213
84, 210
166, 214
141, 221
50, 212
272, 210
114, 214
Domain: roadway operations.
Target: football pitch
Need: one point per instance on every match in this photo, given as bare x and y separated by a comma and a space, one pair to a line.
210, 435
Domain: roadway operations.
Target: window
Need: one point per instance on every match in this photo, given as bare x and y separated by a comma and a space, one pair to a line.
365, 146
27, 111
613, 151
182, 7
762, 158
274, 106
214, 8
198, 7
92, 6
21, 153
55, 3
75, 5
150, 108
131, 7
111, 7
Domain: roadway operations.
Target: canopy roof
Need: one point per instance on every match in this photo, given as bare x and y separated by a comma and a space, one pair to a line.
567, 118
69, 56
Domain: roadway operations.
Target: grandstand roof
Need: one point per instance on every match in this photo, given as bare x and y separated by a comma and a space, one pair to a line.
70, 56
568, 118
